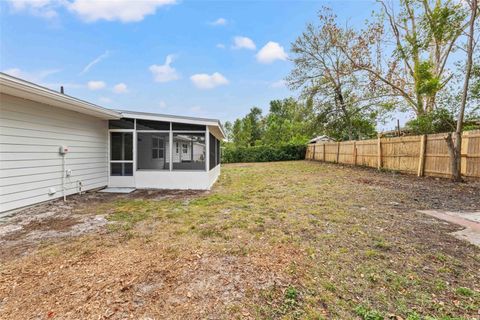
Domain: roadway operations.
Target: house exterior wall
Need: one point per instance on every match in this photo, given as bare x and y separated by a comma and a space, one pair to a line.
30, 136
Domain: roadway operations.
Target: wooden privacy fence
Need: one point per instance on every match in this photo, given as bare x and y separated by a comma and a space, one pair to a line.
422, 155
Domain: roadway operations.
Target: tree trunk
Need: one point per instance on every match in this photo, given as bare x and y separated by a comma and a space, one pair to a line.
455, 145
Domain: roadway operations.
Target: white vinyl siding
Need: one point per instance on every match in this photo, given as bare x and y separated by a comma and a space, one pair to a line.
30, 136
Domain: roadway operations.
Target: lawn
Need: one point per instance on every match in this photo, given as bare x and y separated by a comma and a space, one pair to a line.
285, 240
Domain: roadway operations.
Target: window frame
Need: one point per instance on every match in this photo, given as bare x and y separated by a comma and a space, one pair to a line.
160, 147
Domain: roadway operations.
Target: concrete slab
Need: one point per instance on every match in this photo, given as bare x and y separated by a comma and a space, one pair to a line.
117, 190
469, 220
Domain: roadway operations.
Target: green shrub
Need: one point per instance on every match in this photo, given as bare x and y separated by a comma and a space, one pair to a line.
436, 121
233, 154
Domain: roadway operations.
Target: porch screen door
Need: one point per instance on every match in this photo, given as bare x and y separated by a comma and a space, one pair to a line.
121, 159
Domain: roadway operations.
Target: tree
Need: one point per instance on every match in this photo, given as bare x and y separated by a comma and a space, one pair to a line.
455, 144
288, 121
438, 121
248, 130
228, 127
326, 76
414, 68
253, 125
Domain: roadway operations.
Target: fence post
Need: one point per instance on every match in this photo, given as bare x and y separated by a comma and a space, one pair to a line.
314, 147
324, 152
379, 152
464, 153
338, 151
421, 156
354, 153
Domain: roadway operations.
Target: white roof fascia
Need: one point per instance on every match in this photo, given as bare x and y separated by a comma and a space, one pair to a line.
171, 118
30, 91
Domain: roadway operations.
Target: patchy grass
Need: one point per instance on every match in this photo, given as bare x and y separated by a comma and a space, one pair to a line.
286, 240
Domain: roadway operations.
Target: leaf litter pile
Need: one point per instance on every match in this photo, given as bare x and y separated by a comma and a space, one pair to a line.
286, 240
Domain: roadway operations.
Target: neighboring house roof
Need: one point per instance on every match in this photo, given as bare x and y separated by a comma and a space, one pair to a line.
27, 90
320, 138
31, 91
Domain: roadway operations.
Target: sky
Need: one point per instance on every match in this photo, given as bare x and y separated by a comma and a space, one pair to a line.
213, 59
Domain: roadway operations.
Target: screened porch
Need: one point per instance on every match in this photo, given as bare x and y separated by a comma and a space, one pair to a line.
139, 146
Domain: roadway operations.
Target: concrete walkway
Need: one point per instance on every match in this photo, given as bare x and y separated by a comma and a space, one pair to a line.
469, 220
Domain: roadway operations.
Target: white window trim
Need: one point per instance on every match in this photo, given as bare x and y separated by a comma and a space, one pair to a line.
159, 147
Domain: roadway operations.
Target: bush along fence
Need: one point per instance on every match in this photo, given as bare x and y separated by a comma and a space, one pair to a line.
263, 153
425, 155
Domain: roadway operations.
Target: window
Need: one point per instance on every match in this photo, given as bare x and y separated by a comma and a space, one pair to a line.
121, 153
193, 152
157, 147
152, 151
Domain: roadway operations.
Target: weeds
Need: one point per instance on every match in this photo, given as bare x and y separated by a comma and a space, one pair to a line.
368, 314
466, 292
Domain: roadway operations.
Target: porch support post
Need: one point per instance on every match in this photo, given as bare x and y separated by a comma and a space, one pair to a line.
207, 148
170, 148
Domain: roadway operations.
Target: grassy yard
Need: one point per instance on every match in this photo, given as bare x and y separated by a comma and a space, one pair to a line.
286, 240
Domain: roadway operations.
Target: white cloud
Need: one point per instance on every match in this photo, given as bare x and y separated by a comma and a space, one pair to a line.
37, 76
270, 52
206, 81
162, 104
219, 22
96, 85
95, 61
120, 88
243, 43
278, 84
220, 46
164, 72
116, 10
42, 8
90, 10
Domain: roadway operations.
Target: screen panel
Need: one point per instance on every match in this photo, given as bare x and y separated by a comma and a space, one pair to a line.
187, 127
124, 123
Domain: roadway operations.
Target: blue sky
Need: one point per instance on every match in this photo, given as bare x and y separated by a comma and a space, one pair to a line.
200, 58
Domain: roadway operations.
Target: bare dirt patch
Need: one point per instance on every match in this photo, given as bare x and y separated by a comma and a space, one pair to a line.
26, 230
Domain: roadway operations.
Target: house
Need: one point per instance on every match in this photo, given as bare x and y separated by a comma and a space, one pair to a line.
53, 145
320, 139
